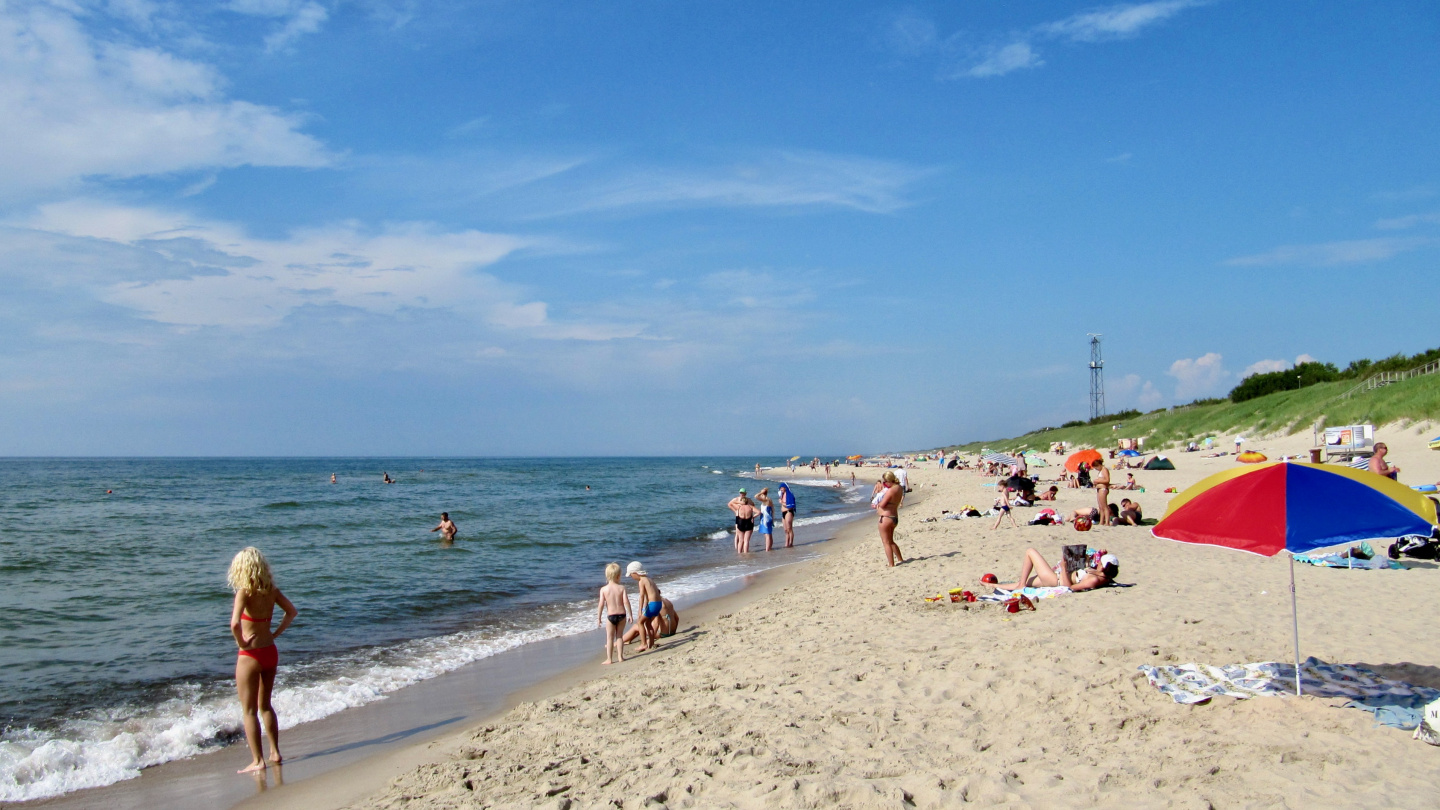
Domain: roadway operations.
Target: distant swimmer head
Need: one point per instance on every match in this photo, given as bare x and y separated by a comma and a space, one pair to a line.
635, 569
250, 572
612, 572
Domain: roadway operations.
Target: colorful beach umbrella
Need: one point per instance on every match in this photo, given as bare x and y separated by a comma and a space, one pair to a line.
1084, 458
794, 458
1251, 457
1294, 507
1129, 453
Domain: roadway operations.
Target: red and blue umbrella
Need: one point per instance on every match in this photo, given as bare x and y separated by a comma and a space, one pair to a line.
1289, 506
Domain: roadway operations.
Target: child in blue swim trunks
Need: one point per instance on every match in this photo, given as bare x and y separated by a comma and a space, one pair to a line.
650, 623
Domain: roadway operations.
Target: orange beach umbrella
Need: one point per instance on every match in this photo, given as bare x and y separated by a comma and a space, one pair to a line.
1084, 458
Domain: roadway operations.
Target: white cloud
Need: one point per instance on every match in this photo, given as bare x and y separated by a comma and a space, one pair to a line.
1123, 157
1355, 251
73, 106
1131, 391
219, 276
1202, 376
1401, 223
1115, 22
1263, 367
1305, 358
909, 35
1006, 59
306, 19
781, 179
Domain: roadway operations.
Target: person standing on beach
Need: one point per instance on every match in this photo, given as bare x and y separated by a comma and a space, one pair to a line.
757, 471
614, 611
446, 528
745, 513
651, 606
765, 523
255, 599
888, 505
787, 513
1100, 479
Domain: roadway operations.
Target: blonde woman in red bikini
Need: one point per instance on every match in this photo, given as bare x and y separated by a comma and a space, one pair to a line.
255, 599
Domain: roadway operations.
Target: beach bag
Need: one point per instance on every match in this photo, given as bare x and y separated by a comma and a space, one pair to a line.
1082, 524
1429, 728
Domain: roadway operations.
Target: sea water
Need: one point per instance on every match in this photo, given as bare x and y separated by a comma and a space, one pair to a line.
115, 647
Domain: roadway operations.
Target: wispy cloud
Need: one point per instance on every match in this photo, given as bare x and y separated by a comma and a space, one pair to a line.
298, 18
73, 106
216, 275
1402, 223
1354, 251
779, 179
1114, 22
911, 34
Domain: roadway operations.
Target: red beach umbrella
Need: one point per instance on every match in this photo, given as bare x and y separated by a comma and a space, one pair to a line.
1084, 458
1275, 507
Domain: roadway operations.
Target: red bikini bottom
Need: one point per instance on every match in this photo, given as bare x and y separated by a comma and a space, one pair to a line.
266, 657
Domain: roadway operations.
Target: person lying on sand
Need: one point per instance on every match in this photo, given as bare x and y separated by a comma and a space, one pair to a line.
1049, 494
1036, 573
669, 622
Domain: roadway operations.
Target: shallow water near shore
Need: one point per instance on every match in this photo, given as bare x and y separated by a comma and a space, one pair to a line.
115, 652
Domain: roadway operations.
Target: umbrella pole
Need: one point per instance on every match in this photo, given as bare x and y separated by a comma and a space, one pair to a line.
1295, 624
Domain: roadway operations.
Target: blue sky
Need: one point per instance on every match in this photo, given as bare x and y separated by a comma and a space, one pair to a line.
306, 227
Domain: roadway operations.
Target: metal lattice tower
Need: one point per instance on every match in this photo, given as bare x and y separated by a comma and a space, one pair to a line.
1097, 378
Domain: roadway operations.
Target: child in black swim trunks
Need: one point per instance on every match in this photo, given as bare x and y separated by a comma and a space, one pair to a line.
614, 610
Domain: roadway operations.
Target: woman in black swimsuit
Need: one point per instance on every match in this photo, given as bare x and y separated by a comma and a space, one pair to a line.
745, 513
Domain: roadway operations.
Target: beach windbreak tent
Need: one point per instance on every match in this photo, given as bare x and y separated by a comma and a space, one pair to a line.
1159, 463
1274, 507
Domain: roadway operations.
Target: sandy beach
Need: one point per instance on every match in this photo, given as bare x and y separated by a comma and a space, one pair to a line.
840, 686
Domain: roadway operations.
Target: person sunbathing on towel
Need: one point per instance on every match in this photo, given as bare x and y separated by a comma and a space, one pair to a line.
1036, 573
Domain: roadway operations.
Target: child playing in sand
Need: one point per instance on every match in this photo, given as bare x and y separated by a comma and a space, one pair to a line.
614, 610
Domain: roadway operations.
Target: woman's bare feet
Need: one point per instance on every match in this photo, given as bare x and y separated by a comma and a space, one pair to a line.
275, 758
252, 768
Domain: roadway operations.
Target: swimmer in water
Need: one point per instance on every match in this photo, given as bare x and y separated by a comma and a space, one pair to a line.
332, 478
388, 479
446, 528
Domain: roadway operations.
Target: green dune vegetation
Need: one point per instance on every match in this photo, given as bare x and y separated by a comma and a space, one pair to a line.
1322, 403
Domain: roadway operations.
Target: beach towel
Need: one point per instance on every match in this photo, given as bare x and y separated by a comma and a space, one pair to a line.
1336, 561
1001, 595
1196, 683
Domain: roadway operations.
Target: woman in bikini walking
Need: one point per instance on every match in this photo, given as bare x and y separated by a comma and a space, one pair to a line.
887, 503
255, 599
